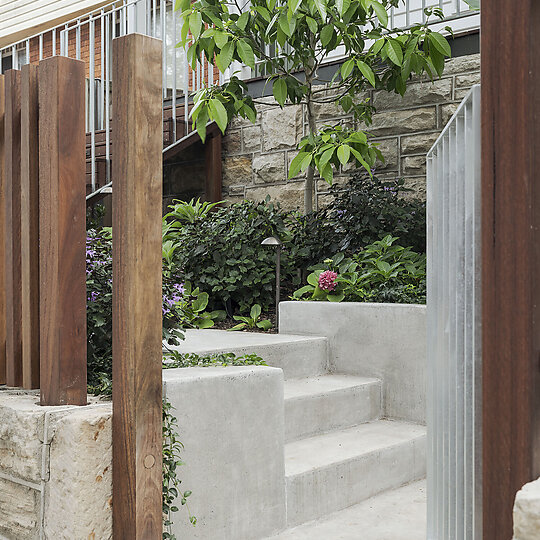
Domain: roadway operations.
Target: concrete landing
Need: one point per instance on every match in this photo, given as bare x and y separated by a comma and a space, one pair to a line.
297, 356
399, 514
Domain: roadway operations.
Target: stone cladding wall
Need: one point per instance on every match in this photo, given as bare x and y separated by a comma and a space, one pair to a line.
256, 157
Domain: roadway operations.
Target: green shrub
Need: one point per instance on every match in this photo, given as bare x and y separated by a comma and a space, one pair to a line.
222, 253
382, 272
361, 212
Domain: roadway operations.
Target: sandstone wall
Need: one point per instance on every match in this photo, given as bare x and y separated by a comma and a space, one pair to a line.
256, 157
55, 469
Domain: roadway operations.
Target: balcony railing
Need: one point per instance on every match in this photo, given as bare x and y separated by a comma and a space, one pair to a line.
89, 38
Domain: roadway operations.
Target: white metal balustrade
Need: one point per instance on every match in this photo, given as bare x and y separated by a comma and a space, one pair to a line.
453, 311
89, 37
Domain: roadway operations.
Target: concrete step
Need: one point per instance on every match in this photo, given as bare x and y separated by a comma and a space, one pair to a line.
330, 472
297, 356
318, 404
397, 514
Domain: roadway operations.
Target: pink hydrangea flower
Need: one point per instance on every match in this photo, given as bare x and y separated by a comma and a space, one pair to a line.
327, 280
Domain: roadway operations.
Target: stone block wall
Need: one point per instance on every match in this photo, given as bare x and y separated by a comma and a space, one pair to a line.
55, 469
256, 157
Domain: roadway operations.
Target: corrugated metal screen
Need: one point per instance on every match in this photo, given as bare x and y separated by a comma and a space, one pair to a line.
454, 346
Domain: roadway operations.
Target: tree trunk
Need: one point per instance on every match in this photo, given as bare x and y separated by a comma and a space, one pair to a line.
309, 185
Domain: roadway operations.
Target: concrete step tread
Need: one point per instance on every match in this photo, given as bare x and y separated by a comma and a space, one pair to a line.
325, 450
323, 384
204, 341
397, 514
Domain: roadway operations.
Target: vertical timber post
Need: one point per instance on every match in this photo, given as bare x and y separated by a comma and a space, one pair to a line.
2, 239
137, 294
30, 226
12, 178
212, 150
510, 256
62, 231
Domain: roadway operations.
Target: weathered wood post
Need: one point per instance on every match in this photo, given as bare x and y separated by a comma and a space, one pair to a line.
212, 151
2, 239
137, 295
12, 193
62, 231
30, 225
510, 256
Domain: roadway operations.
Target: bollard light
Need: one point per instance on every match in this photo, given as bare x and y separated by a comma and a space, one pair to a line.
276, 243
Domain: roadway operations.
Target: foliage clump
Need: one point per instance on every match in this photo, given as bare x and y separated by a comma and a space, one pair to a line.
381, 272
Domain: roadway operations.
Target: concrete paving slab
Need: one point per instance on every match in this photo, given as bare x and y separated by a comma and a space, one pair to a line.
399, 514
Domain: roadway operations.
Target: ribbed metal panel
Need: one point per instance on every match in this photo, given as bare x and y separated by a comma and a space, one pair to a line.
453, 309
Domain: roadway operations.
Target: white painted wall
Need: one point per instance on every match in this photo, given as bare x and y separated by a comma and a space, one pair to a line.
23, 18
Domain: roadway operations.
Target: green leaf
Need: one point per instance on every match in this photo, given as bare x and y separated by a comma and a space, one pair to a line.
303, 290
202, 118
200, 302
347, 68
366, 71
245, 52
312, 25
326, 35
280, 91
296, 163
240, 326
243, 20
219, 114
264, 325
343, 153
321, 8
380, 11
221, 38
293, 5
394, 51
195, 23
473, 4
224, 58
326, 157
181, 5
204, 323
335, 297
284, 24
313, 279
327, 173
255, 312
342, 6
440, 43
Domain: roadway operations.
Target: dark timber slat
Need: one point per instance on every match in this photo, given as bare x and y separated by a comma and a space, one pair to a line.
510, 255
12, 164
62, 231
2, 239
137, 173
212, 150
30, 226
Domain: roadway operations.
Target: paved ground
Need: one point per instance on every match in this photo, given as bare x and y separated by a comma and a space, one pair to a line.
399, 514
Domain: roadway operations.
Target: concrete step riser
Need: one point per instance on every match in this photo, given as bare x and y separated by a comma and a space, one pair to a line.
314, 494
296, 359
297, 356
338, 409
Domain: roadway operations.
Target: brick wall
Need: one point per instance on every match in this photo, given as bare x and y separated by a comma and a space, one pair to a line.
256, 157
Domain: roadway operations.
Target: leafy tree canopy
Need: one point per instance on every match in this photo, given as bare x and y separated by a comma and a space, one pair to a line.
289, 41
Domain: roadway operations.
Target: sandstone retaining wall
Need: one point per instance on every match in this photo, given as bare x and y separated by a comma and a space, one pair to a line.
256, 157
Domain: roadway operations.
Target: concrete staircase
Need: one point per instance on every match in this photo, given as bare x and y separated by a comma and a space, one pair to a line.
339, 450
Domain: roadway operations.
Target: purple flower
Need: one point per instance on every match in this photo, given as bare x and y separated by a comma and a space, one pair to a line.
327, 280
93, 296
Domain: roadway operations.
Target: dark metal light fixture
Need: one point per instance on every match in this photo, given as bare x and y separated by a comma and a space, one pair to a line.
276, 243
